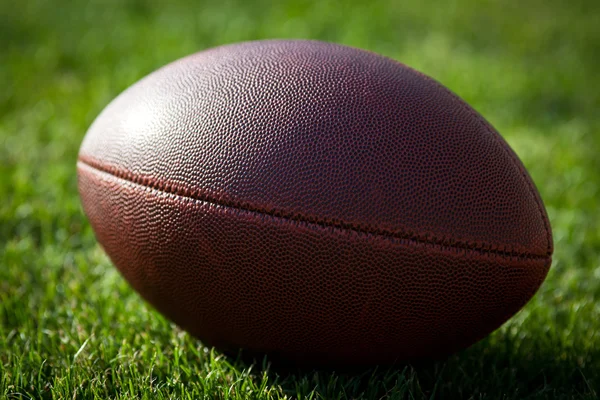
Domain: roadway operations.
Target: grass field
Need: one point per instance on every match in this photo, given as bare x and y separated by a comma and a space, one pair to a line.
70, 327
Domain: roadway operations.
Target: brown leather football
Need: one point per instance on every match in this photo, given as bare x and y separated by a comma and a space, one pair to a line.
314, 202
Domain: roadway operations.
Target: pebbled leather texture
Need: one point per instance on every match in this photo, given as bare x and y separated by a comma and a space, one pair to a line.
315, 202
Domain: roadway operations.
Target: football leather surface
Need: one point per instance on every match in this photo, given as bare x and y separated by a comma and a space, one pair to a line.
314, 202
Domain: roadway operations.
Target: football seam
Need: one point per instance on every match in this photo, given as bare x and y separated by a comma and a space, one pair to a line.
183, 192
503, 145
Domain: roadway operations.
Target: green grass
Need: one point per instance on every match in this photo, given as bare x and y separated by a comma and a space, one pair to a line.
70, 327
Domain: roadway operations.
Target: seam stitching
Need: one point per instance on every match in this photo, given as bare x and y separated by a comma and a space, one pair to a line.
179, 190
510, 155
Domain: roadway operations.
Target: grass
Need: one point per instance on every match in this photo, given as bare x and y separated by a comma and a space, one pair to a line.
70, 327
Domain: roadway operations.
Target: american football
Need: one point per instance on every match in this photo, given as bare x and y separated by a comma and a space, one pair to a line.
313, 202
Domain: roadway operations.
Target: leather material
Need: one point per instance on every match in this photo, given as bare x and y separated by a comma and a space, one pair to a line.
313, 201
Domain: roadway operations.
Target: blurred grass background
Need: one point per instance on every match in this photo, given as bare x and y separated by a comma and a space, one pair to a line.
70, 326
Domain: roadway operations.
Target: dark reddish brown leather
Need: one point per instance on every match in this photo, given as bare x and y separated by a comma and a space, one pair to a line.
313, 201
